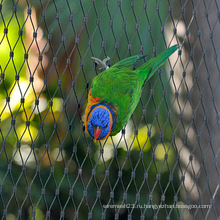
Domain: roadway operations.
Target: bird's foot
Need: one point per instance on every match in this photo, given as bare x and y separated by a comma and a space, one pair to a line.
102, 64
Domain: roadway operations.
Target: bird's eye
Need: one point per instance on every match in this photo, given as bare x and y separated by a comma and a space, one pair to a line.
92, 123
106, 126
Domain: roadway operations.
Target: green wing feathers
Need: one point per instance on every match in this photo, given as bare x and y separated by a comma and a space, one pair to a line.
151, 66
128, 62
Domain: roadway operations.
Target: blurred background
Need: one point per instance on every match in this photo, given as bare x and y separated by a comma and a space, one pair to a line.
168, 152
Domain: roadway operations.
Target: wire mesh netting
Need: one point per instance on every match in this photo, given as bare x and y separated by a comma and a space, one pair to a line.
162, 165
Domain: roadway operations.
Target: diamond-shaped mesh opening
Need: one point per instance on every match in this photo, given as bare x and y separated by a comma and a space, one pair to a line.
162, 165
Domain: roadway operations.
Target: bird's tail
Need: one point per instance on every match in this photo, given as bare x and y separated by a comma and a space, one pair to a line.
153, 64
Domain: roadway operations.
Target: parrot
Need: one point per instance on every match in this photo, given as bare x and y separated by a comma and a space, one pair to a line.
116, 91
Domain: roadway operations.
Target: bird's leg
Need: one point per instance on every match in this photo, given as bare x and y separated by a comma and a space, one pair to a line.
102, 64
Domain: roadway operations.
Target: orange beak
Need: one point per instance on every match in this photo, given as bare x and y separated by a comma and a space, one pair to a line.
97, 132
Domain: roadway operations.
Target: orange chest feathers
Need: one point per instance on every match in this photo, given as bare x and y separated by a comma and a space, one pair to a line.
91, 101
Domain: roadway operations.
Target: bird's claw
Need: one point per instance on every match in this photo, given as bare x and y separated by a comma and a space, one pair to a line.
102, 64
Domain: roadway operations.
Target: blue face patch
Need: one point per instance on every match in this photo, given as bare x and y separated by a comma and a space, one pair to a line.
99, 117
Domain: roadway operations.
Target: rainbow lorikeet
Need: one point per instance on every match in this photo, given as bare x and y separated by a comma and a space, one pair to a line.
115, 93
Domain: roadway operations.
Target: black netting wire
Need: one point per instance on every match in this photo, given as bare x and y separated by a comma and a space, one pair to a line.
162, 165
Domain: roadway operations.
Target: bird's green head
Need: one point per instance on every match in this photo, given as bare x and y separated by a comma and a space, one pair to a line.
100, 121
